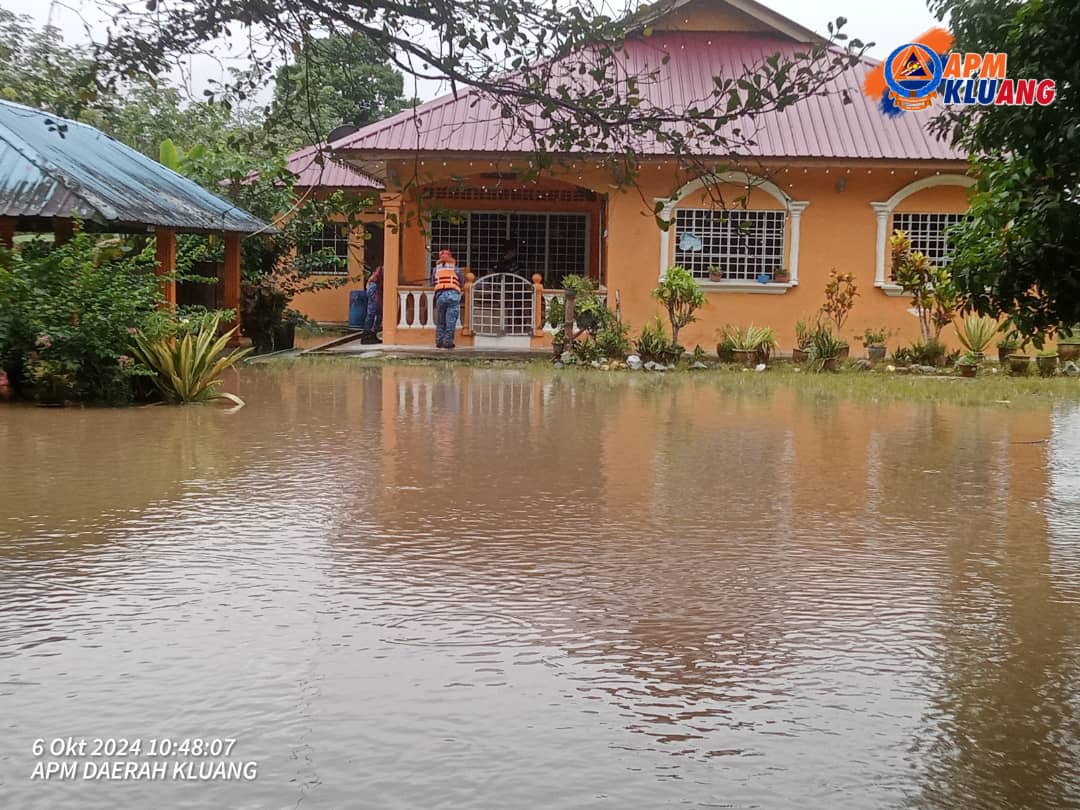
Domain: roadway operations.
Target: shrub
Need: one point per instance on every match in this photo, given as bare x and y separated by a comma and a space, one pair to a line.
824, 345
975, 333
760, 339
803, 335
934, 296
682, 298
840, 294
188, 367
875, 337
67, 314
653, 344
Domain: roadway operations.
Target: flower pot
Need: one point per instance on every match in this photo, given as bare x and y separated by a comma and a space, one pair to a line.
716, 276
746, 357
968, 371
781, 278
1018, 364
1003, 354
1068, 351
558, 347
799, 355
830, 364
844, 353
875, 353
1047, 364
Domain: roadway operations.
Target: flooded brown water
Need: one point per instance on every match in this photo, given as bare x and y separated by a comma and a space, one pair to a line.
476, 588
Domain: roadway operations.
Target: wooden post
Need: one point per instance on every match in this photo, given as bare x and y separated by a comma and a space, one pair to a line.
7, 232
538, 304
165, 250
568, 320
466, 302
392, 232
232, 274
63, 229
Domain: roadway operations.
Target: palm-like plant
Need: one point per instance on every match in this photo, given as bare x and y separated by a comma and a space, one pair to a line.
975, 333
188, 368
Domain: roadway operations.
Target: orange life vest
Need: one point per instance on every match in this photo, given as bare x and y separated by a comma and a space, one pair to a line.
446, 279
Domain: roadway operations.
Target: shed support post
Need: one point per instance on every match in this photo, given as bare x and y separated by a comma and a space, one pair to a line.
232, 275
165, 249
7, 232
63, 230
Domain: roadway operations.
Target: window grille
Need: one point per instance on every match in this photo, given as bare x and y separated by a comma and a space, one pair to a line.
332, 238
498, 193
552, 245
928, 234
741, 244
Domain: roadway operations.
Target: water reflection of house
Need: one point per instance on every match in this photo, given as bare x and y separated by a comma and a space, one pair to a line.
829, 178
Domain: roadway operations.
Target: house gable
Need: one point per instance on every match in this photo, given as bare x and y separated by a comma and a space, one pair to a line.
724, 16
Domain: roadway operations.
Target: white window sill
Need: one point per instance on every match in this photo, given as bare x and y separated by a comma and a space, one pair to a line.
892, 290
771, 288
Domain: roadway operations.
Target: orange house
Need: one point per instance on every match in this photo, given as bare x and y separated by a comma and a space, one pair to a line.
825, 183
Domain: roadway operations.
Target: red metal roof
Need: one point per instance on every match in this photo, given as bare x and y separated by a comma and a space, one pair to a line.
311, 173
843, 125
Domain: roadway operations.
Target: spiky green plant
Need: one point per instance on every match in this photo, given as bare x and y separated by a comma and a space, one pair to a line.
188, 368
975, 333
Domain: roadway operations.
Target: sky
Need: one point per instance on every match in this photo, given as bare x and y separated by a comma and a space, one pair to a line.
887, 24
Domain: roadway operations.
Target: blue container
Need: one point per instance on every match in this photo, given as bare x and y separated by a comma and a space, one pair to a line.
357, 309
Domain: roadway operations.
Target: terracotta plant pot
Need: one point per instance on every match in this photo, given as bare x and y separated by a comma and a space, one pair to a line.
968, 371
1018, 364
830, 364
1047, 365
747, 358
799, 355
716, 276
1069, 351
875, 353
844, 353
781, 278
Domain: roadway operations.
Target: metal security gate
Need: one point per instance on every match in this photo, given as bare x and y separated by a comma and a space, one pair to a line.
502, 304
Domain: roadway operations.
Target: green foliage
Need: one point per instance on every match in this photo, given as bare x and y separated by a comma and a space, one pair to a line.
681, 296
760, 339
934, 296
66, 316
840, 295
803, 335
824, 345
652, 344
188, 367
340, 79
599, 333
975, 333
969, 358
921, 353
1019, 249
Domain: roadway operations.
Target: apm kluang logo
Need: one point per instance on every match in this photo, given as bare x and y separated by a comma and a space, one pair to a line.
920, 73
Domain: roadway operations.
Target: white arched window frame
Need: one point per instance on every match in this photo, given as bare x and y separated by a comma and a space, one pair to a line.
793, 209
884, 211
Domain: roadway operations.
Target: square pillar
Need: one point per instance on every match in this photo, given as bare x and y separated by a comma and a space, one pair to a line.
63, 230
165, 252
392, 233
232, 275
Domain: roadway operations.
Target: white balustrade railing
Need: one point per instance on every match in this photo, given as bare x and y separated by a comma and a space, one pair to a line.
416, 308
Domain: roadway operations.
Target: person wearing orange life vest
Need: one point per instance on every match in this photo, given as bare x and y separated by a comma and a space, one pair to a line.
447, 280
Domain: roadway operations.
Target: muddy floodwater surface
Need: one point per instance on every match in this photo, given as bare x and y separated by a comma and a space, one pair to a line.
410, 587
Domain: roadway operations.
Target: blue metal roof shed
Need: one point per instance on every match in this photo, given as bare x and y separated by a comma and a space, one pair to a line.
52, 167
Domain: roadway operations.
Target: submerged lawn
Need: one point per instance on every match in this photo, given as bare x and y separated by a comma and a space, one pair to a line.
878, 385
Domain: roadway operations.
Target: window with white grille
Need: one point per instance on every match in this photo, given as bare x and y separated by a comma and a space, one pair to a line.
331, 242
553, 245
739, 245
929, 234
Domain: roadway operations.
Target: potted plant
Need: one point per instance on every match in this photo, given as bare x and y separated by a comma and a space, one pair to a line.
840, 294
803, 334
751, 345
1009, 344
968, 364
716, 274
781, 275
845, 348
975, 334
1068, 344
874, 342
1018, 364
825, 349
1047, 361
